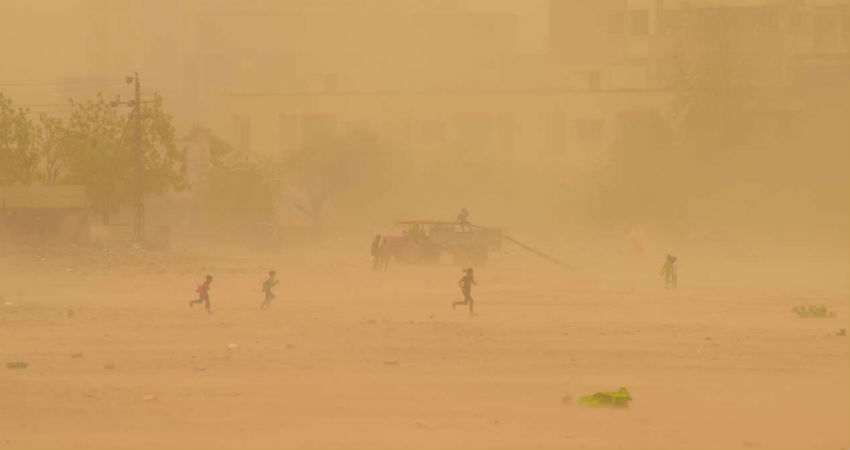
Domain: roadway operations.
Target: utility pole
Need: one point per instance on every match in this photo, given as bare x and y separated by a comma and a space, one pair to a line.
139, 162
138, 191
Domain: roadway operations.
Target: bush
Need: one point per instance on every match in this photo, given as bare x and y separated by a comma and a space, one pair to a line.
818, 311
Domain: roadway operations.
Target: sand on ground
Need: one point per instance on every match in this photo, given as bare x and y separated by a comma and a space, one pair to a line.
350, 358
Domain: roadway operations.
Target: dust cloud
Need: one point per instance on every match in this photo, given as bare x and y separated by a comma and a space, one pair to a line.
650, 187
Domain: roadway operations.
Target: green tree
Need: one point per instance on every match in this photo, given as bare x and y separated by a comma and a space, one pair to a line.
100, 153
51, 143
18, 155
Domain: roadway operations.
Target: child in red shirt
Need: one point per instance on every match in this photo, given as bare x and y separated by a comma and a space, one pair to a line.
204, 294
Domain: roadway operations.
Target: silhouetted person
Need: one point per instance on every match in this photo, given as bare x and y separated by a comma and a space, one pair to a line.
376, 252
670, 271
385, 252
466, 284
203, 291
463, 219
267, 289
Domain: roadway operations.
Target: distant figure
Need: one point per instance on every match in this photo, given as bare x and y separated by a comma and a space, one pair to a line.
466, 284
385, 252
670, 271
463, 219
267, 289
376, 252
203, 291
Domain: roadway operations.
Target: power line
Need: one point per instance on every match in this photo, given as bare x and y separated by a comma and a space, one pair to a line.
44, 105
59, 91
58, 83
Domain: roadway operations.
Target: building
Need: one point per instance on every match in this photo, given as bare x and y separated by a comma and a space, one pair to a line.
635, 44
44, 213
536, 126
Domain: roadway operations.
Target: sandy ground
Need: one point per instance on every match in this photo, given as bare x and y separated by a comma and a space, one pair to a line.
348, 358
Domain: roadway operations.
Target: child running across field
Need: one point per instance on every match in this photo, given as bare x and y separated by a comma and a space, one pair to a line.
203, 291
670, 271
466, 284
267, 288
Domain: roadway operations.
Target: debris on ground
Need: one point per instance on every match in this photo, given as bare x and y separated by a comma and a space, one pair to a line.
842, 332
815, 311
391, 362
618, 399
76, 355
109, 366
17, 365
149, 398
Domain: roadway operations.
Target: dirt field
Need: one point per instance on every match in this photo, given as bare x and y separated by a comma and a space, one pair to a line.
349, 358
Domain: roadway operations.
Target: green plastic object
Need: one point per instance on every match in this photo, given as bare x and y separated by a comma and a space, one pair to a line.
813, 311
618, 399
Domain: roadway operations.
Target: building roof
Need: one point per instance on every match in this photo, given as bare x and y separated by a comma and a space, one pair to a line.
42, 197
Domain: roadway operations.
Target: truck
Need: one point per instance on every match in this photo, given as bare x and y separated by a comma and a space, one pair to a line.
424, 241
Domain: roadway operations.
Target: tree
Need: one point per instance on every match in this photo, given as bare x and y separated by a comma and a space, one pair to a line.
222, 154
100, 153
18, 156
351, 161
51, 142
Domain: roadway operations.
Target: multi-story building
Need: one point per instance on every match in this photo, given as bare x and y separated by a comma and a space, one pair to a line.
543, 125
635, 44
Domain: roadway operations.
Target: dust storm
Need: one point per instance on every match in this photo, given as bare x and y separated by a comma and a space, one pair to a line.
424, 224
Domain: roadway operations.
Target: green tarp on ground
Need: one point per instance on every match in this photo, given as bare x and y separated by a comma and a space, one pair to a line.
618, 399
813, 311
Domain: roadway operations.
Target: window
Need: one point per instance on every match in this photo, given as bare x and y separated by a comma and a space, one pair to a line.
475, 133
432, 131
287, 134
505, 123
242, 132
616, 24
797, 22
594, 80
639, 22
824, 27
554, 133
588, 130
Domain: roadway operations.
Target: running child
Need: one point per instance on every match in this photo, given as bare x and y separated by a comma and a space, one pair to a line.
203, 291
466, 284
267, 288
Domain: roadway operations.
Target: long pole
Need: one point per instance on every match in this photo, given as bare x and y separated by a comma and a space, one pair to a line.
139, 166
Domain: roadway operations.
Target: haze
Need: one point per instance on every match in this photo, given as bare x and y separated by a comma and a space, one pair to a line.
657, 197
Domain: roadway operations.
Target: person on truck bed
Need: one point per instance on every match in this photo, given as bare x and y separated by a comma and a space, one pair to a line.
463, 219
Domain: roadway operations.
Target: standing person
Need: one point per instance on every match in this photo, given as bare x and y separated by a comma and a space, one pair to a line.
384, 254
463, 219
267, 289
203, 291
670, 271
466, 284
376, 252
